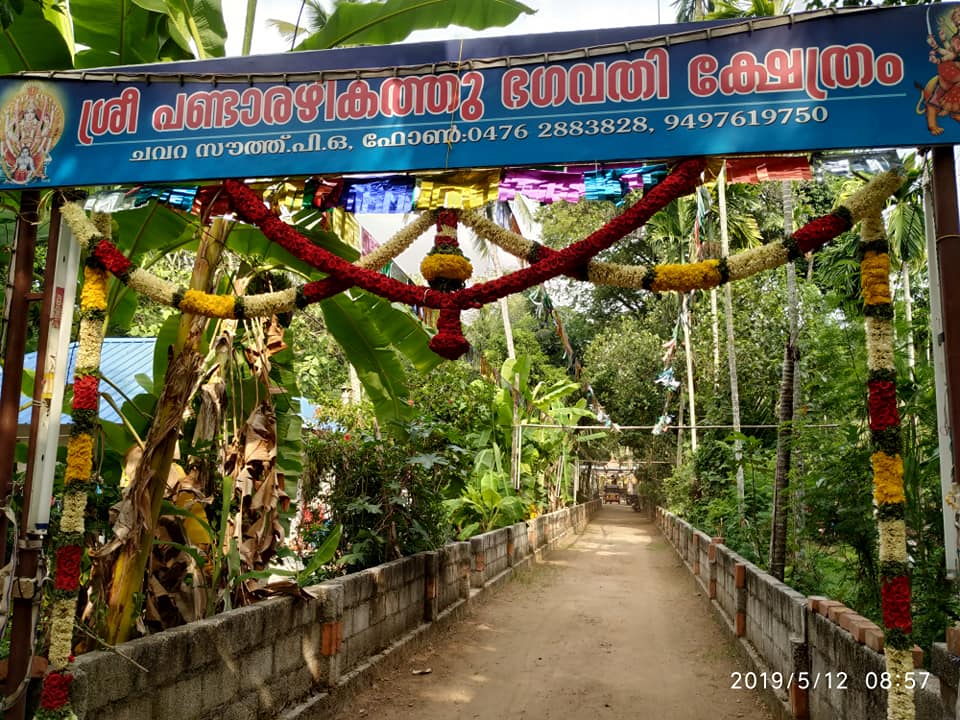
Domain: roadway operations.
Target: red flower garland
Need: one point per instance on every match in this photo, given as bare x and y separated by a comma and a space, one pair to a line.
449, 341
56, 691
450, 219
819, 230
895, 603
85, 392
681, 181
67, 569
882, 401
111, 258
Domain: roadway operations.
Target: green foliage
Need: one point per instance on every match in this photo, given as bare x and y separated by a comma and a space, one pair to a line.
488, 501
388, 505
381, 23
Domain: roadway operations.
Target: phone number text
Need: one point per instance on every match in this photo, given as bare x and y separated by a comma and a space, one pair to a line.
671, 122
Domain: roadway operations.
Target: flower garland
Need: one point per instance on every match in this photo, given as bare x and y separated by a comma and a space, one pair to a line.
55, 692
223, 306
546, 263
445, 268
709, 273
887, 463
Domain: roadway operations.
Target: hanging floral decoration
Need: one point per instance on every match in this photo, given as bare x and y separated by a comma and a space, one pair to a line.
545, 263
709, 273
68, 557
445, 268
165, 293
447, 272
887, 462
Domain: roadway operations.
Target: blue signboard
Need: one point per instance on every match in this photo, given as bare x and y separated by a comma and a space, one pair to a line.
878, 77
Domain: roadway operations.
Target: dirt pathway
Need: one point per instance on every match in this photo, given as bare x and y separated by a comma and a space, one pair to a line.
609, 628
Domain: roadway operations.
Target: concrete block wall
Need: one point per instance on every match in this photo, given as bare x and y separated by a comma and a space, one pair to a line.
247, 663
781, 630
726, 581
279, 657
489, 553
518, 544
453, 574
381, 604
775, 614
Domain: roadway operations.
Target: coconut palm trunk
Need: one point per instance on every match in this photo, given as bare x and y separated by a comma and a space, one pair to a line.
731, 341
781, 489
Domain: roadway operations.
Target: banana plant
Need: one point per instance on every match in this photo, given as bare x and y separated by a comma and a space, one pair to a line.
381, 23
98, 33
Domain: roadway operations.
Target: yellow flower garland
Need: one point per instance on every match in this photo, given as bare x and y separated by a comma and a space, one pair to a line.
201, 303
684, 278
79, 458
887, 478
442, 265
874, 278
93, 296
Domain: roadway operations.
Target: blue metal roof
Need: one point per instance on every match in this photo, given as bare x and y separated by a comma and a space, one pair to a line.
121, 360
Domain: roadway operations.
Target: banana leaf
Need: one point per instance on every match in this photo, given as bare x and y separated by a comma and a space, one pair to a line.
117, 32
382, 23
375, 360
40, 38
199, 21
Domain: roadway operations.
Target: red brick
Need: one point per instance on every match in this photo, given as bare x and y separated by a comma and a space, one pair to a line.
917, 656
712, 552
873, 638
859, 629
953, 640
813, 602
835, 612
718, 540
741, 627
740, 575
331, 637
823, 607
849, 620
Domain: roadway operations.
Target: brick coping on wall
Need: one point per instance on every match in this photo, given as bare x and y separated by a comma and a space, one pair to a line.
297, 659
776, 629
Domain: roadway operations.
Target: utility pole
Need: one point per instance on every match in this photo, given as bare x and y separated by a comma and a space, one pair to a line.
26, 237
947, 229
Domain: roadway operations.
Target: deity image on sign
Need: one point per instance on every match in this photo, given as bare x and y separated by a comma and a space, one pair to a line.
31, 123
941, 95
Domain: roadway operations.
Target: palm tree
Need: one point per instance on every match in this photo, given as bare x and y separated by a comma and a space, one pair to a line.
907, 242
725, 9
